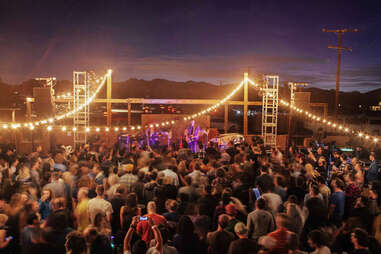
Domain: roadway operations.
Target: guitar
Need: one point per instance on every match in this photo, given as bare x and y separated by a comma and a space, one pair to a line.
191, 137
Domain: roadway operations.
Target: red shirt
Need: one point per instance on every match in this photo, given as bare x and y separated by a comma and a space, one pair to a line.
144, 228
281, 237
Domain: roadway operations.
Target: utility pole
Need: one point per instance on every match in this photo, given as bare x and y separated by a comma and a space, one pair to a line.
339, 48
293, 87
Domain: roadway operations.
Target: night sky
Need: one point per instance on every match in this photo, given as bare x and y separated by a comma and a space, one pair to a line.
214, 41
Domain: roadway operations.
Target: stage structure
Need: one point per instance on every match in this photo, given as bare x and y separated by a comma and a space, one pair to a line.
49, 82
270, 110
81, 118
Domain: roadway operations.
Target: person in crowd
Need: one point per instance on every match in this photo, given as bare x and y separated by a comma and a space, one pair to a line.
372, 170
260, 222
99, 205
337, 202
143, 227
193, 205
243, 245
97, 243
186, 240
317, 240
281, 234
44, 203
75, 243
5, 239
220, 239
360, 241
80, 212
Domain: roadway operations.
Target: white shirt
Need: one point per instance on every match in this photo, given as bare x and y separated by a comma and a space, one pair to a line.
169, 173
98, 205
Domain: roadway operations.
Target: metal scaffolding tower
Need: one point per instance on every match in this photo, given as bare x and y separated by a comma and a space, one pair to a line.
81, 118
270, 110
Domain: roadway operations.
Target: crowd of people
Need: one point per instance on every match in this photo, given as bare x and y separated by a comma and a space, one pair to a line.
240, 199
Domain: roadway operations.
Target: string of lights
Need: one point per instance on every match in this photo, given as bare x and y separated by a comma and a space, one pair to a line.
32, 126
326, 122
51, 120
207, 110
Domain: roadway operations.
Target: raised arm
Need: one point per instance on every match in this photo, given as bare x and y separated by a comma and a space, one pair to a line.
157, 235
130, 233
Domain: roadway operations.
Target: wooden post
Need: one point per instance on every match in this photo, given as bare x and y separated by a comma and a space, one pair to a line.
245, 103
226, 118
109, 114
129, 114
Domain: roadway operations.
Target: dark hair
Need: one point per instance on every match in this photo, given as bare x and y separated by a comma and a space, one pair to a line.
31, 217
132, 200
76, 242
362, 237
320, 179
100, 190
223, 220
185, 226
264, 169
293, 241
339, 183
139, 247
120, 190
261, 203
315, 189
164, 233
317, 237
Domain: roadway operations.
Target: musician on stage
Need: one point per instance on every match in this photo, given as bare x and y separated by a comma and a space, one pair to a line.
152, 136
191, 134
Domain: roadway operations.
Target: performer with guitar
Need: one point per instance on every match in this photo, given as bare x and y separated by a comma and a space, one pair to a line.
191, 134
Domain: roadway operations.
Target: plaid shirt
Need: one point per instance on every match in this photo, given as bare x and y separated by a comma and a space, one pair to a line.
128, 180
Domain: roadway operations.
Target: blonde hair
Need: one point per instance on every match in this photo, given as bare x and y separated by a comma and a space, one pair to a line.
3, 219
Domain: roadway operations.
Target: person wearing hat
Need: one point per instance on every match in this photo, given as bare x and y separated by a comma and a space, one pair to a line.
243, 245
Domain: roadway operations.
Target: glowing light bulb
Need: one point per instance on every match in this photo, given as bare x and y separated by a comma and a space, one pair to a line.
361, 134
107, 129
116, 129
51, 120
346, 129
31, 127
172, 122
124, 128
5, 126
63, 128
49, 128
97, 129
375, 140
366, 137
87, 129
139, 127
132, 128
74, 129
